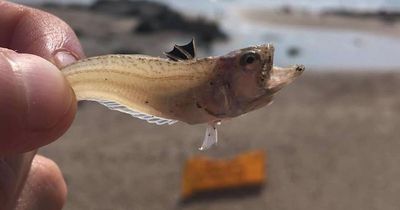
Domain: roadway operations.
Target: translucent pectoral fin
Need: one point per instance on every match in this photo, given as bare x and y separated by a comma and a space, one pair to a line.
211, 137
134, 113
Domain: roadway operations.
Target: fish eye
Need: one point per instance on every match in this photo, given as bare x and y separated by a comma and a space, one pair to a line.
249, 58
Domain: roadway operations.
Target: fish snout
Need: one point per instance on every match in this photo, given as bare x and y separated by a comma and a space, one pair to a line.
300, 68
281, 76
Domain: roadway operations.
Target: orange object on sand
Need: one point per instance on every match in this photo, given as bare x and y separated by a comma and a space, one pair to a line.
202, 174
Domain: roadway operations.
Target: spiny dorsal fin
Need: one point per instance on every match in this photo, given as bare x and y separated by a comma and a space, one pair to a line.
182, 52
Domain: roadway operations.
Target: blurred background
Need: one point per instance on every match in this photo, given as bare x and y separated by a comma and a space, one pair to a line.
332, 137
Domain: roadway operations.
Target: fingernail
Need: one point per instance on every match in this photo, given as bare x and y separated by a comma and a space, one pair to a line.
63, 58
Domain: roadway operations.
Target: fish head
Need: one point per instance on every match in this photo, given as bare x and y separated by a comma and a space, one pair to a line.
248, 80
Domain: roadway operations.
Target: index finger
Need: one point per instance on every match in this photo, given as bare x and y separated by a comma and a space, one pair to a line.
28, 30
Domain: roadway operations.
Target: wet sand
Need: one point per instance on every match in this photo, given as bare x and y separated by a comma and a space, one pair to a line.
324, 21
332, 142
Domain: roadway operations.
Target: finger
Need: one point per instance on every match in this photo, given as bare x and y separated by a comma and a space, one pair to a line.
36, 103
45, 188
29, 30
14, 170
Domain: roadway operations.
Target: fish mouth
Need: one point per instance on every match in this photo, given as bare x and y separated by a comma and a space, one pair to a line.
264, 73
268, 54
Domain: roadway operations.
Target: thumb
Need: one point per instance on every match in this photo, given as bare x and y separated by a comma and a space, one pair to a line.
36, 103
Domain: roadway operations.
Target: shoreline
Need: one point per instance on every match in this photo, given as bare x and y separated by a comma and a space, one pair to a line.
117, 30
320, 21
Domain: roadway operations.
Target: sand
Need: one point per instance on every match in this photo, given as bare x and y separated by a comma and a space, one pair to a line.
332, 139
332, 142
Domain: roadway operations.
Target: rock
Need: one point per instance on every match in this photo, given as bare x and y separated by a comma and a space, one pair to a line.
154, 17
388, 17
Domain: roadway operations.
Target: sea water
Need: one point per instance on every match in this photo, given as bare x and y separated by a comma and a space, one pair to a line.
317, 48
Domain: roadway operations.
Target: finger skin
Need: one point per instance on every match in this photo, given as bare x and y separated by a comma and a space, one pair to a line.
36, 103
28, 30
13, 173
45, 188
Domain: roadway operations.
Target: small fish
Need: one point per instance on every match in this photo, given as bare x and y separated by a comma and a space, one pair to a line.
182, 87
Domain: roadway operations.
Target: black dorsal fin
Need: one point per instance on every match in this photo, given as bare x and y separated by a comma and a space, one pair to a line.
182, 52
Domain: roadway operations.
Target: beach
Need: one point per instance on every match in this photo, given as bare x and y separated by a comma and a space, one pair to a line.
332, 138
332, 142
374, 25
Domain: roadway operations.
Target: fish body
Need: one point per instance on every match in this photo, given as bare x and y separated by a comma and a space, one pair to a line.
155, 86
182, 88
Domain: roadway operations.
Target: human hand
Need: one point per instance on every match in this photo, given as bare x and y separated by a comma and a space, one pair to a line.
36, 104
